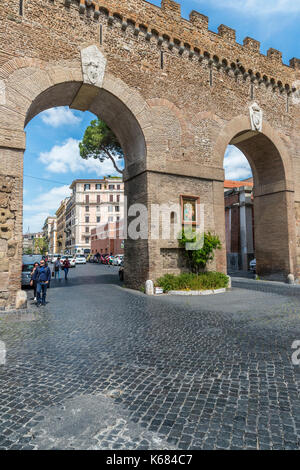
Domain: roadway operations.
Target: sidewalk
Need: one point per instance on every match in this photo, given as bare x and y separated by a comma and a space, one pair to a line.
273, 287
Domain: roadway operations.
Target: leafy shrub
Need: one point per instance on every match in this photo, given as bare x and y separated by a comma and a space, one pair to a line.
190, 281
207, 244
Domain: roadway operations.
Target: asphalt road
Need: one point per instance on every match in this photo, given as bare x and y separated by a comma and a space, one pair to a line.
103, 367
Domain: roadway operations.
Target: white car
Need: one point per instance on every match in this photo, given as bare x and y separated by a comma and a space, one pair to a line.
54, 258
252, 265
80, 260
117, 261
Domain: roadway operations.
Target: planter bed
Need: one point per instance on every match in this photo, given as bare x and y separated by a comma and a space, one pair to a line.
197, 292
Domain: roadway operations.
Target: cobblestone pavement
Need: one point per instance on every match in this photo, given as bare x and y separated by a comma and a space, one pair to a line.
103, 367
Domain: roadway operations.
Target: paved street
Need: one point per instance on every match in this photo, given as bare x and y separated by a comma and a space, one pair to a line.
102, 367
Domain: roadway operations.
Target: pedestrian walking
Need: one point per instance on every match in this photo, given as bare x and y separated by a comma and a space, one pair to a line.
66, 266
42, 276
34, 283
57, 268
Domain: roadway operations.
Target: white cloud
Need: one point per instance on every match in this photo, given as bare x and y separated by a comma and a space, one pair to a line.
43, 205
236, 165
34, 222
49, 201
56, 117
257, 7
65, 158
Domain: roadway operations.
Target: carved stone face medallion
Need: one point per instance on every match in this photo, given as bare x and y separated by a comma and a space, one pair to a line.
93, 66
256, 117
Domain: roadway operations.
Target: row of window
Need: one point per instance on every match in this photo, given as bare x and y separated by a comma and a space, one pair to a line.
98, 186
98, 219
111, 198
110, 209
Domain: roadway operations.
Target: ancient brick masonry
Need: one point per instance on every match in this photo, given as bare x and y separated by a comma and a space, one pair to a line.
176, 94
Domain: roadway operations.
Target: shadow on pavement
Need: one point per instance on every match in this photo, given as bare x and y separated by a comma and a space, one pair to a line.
80, 280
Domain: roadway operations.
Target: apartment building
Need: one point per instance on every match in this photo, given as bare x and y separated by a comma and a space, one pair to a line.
61, 226
93, 202
50, 233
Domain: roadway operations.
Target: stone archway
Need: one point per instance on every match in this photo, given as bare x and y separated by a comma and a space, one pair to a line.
125, 112
183, 93
275, 244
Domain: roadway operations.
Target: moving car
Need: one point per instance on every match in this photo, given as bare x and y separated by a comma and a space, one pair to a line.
80, 259
27, 266
252, 265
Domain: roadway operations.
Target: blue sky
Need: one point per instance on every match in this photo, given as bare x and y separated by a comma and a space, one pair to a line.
52, 159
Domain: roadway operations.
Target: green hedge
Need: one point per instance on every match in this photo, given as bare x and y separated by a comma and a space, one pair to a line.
190, 281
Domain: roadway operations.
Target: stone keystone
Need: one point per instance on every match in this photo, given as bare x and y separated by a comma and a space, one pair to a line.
93, 66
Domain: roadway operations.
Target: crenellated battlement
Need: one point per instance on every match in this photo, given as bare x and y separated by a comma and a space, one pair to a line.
193, 39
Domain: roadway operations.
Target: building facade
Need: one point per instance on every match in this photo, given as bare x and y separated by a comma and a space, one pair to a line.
49, 233
108, 239
93, 202
29, 241
239, 224
61, 226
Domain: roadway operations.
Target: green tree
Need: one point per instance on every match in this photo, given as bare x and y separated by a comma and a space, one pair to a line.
28, 251
100, 142
40, 246
203, 250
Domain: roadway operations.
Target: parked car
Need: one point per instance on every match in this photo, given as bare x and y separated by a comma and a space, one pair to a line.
117, 260
54, 258
27, 266
252, 265
94, 259
106, 259
80, 259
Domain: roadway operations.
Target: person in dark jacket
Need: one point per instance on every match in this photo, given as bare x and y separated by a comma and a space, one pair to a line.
34, 283
42, 276
66, 266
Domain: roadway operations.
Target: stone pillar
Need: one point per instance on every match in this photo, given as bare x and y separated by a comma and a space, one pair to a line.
218, 226
153, 257
11, 214
136, 252
275, 246
243, 231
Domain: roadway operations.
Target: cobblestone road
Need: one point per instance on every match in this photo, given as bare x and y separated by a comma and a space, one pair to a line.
102, 367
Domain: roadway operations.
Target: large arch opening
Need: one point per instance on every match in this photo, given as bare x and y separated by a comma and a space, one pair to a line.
271, 198
104, 105
111, 109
